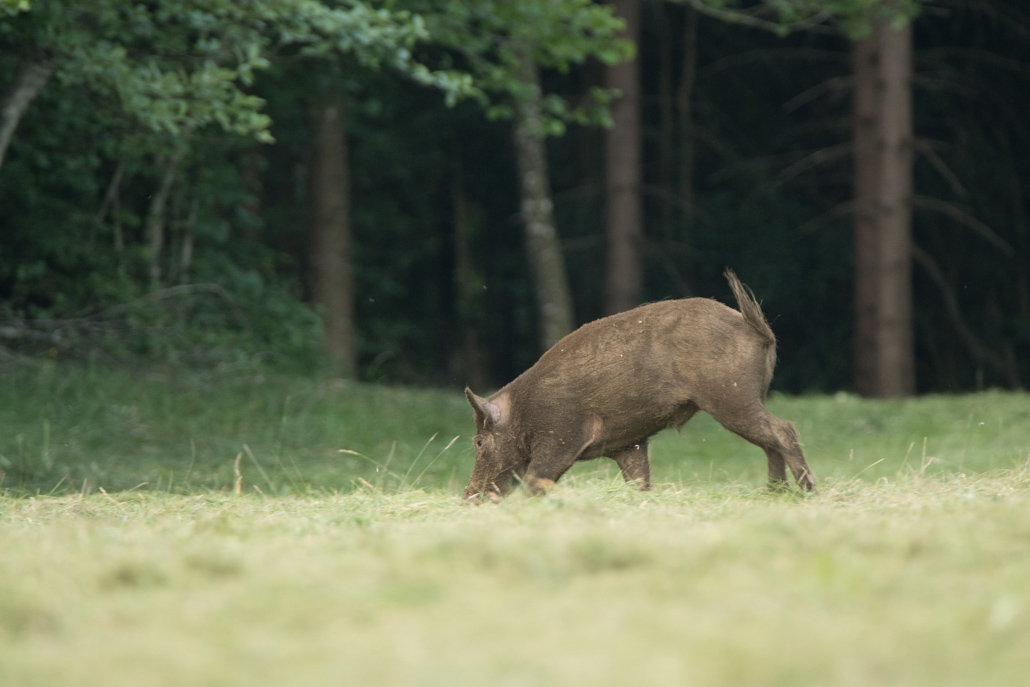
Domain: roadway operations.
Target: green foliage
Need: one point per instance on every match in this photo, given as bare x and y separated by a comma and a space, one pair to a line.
135, 53
493, 39
854, 17
59, 264
178, 66
156, 76
12, 7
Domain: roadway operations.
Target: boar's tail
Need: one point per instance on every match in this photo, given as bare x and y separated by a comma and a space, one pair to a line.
749, 308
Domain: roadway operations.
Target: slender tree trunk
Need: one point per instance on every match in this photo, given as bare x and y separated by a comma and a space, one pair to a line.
866, 180
155, 231
31, 78
467, 363
186, 250
175, 235
250, 175
545, 252
332, 283
684, 96
112, 204
624, 215
118, 238
666, 115
884, 357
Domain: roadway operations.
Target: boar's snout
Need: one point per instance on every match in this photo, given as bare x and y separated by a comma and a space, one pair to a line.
476, 495
472, 494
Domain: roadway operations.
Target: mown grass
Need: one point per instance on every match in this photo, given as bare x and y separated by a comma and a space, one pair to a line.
128, 559
912, 581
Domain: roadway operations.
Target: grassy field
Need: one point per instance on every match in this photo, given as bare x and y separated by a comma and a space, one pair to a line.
913, 582
127, 558
67, 429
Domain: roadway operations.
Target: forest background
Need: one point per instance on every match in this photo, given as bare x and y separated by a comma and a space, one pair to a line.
431, 192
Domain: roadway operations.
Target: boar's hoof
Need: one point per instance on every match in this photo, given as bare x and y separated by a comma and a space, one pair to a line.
480, 497
539, 486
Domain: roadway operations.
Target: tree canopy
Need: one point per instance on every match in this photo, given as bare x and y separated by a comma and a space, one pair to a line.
178, 135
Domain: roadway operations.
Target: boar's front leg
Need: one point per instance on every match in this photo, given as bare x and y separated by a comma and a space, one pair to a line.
634, 464
551, 459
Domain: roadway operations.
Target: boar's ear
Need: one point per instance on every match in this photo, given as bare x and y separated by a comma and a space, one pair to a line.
487, 414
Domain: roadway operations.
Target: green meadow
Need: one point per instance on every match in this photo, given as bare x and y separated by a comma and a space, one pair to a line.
69, 429
167, 528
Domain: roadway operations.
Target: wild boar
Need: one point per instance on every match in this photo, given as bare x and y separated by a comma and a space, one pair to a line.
609, 386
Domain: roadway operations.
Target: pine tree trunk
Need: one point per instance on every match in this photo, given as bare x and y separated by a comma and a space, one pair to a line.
545, 253
884, 357
332, 283
624, 215
895, 345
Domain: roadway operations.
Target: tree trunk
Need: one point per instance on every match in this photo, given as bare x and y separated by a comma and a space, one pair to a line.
624, 220
186, 249
112, 203
684, 95
332, 282
666, 124
467, 361
155, 231
884, 357
250, 175
175, 233
545, 252
31, 78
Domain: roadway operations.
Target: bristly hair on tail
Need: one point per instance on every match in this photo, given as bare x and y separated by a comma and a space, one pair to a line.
749, 307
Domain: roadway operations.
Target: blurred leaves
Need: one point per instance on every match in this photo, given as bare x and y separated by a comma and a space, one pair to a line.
490, 37
179, 65
854, 18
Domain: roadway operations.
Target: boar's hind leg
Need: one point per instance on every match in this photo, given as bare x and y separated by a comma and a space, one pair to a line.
777, 469
634, 464
776, 437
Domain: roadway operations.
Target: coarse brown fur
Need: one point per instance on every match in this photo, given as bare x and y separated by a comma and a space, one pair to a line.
607, 387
